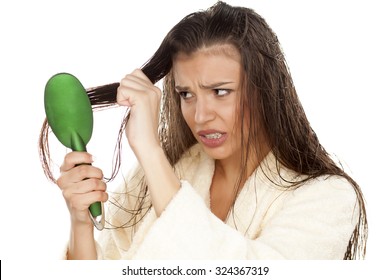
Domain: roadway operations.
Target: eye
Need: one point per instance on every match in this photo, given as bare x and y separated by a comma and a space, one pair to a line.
185, 95
222, 92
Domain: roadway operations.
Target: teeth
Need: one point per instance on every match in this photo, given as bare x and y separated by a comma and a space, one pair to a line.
213, 135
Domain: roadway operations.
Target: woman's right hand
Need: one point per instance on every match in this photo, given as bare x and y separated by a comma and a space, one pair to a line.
81, 185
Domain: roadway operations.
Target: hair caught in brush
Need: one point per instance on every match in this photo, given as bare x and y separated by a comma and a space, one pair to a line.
271, 101
103, 97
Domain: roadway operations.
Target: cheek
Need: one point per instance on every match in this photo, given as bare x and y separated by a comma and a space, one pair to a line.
232, 115
238, 120
187, 114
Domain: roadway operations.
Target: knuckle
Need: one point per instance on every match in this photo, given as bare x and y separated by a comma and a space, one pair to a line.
83, 170
95, 183
123, 82
100, 185
67, 160
103, 196
66, 194
67, 156
100, 174
137, 71
60, 182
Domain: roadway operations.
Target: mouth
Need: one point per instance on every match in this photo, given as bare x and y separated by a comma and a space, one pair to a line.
212, 138
215, 135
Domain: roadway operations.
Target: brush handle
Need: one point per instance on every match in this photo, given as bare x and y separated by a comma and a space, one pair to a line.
96, 208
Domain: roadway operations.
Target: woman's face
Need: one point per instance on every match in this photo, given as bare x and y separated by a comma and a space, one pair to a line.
208, 82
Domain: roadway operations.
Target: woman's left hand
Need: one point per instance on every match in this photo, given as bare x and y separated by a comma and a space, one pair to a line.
137, 92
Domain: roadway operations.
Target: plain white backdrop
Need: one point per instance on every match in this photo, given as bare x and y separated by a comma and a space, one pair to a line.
337, 52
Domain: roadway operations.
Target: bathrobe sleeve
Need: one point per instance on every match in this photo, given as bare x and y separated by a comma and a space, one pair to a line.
314, 221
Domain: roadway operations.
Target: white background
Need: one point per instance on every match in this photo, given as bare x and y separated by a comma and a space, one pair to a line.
337, 52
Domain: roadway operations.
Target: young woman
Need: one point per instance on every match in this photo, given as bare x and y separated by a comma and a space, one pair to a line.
229, 166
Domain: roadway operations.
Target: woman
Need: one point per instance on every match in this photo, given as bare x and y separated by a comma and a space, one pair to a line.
229, 166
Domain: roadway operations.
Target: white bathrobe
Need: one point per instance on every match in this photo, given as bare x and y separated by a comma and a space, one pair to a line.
314, 221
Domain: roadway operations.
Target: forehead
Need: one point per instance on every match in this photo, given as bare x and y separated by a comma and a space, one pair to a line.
218, 61
214, 50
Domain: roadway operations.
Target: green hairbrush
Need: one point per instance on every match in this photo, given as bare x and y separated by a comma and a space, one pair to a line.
69, 114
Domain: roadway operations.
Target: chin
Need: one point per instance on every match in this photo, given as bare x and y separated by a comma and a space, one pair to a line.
219, 153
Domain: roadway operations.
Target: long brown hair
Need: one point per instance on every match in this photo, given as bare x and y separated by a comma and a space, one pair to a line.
269, 97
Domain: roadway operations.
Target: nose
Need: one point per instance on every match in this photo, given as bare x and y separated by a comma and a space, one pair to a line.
204, 111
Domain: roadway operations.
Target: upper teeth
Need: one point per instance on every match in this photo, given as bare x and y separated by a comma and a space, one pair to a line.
213, 135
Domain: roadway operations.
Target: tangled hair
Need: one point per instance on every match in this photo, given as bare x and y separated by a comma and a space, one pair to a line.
269, 97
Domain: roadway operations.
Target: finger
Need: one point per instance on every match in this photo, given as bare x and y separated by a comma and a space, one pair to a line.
140, 75
136, 80
82, 202
129, 94
83, 171
85, 186
140, 82
78, 174
75, 158
123, 96
135, 83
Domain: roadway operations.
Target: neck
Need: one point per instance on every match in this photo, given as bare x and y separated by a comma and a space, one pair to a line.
225, 185
230, 169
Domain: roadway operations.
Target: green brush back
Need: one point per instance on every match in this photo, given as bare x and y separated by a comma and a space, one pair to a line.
69, 111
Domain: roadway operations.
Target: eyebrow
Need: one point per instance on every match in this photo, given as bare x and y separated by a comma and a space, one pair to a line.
202, 86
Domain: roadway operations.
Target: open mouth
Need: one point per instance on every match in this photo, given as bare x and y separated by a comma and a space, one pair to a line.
212, 139
216, 135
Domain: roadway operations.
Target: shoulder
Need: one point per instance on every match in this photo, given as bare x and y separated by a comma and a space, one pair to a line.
313, 221
275, 174
328, 186
330, 194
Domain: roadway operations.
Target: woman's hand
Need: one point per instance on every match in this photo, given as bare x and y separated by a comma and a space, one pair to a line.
81, 185
137, 92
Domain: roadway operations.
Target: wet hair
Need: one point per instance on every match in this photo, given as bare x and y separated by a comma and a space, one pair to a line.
269, 98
